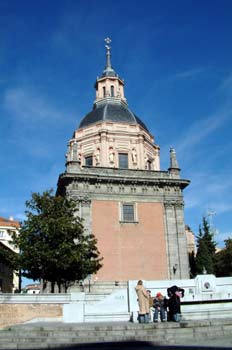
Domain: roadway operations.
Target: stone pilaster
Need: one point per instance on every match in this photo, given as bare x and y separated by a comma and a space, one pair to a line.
84, 210
176, 240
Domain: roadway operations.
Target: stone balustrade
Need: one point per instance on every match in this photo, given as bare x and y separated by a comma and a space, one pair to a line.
205, 298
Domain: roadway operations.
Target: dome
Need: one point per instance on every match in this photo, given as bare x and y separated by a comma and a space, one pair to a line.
113, 111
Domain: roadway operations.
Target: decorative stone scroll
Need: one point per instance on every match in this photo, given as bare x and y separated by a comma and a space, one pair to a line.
98, 185
133, 187
174, 203
109, 187
121, 187
144, 187
85, 200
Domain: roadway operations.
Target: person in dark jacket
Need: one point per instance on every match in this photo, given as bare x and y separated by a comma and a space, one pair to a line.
174, 294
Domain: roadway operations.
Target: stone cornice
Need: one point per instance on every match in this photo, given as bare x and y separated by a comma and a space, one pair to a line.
115, 183
154, 178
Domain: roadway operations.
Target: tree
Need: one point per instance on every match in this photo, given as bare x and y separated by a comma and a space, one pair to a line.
52, 243
192, 264
224, 260
206, 248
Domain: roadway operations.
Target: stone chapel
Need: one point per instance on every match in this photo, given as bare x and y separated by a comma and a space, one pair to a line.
134, 209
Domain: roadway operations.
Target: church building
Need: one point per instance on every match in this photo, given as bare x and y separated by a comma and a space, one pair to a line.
133, 208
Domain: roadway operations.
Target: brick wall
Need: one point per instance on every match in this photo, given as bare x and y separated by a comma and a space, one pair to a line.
11, 314
130, 250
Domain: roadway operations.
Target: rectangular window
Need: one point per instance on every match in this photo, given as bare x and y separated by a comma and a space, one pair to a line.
89, 161
112, 90
149, 165
128, 214
123, 160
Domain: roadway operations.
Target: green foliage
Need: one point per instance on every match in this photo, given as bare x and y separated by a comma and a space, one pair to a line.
224, 260
52, 243
192, 265
206, 247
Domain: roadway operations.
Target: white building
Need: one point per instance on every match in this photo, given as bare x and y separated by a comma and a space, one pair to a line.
9, 281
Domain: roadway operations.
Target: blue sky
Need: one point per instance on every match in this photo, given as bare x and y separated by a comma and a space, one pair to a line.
176, 59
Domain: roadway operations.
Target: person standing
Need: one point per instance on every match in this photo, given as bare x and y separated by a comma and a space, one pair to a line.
151, 299
174, 293
143, 301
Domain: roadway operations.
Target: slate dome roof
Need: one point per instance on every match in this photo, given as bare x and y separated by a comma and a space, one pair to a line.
111, 111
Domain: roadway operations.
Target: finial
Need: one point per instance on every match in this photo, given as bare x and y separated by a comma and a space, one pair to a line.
174, 167
107, 41
108, 54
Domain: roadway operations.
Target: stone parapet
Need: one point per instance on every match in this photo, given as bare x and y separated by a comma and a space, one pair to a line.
199, 303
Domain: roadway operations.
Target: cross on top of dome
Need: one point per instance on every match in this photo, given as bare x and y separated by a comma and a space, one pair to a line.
107, 41
108, 71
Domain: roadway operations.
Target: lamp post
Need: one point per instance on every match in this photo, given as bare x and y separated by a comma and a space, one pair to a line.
89, 280
175, 268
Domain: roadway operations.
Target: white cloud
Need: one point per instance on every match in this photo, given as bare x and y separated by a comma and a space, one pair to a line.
28, 106
37, 125
20, 216
222, 206
188, 74
220, 237
226, 85
191, 200
218, 185
201, 129
209, 190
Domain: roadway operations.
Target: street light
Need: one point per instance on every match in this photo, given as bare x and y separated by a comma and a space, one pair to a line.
175, 268
89, 279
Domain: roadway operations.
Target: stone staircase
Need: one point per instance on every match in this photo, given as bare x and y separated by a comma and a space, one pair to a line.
104, 335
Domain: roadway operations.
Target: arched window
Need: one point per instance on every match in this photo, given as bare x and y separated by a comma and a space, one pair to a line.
104, 91
112, 90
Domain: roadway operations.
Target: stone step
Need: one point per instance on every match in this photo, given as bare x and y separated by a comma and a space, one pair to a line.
56, 334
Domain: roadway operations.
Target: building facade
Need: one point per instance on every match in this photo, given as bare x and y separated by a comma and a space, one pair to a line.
9, 279
134, 209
